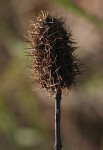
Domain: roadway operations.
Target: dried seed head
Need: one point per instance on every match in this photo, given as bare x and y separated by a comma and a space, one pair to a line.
53, 62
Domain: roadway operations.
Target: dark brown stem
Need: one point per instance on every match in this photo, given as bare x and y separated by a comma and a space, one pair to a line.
58, 144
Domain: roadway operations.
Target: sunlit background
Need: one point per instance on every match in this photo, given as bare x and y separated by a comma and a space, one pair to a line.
26, 115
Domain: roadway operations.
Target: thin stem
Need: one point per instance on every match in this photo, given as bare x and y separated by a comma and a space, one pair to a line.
58, 144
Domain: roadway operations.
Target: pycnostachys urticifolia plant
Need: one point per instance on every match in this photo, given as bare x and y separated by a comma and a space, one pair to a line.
53, 62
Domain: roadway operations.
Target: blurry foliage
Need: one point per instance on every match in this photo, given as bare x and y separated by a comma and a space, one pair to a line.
68, 4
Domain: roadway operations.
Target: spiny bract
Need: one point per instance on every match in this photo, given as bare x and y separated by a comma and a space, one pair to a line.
53, 62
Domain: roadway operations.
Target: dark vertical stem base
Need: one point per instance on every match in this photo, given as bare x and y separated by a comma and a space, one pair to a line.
58, 144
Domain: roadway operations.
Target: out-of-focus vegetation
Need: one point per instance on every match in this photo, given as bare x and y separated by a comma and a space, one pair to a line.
27, 116
76, 9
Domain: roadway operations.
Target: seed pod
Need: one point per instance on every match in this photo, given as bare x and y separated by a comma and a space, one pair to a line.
53, 62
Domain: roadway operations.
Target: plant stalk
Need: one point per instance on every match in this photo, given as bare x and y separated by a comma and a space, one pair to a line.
58, 144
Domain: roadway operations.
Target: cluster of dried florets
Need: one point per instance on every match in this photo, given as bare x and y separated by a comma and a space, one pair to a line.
52, 53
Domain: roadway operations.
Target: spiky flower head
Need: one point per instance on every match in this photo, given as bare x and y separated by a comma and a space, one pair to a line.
53, 62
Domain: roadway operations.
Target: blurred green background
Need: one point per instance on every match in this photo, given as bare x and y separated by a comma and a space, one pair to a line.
26, 115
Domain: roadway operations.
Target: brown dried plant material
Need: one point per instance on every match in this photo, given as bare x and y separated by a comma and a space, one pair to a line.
53, 62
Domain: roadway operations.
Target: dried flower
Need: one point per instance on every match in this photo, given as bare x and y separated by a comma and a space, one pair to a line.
53, 62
